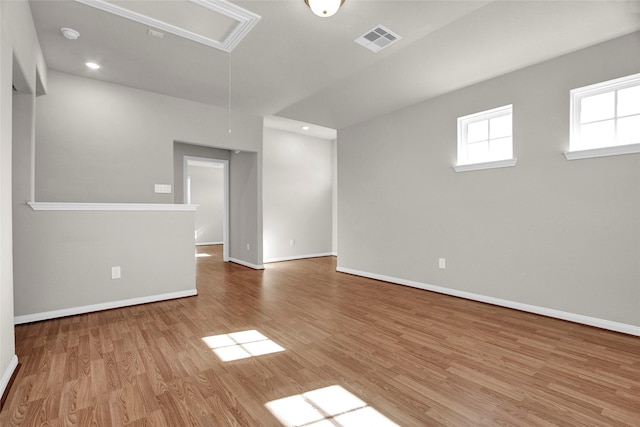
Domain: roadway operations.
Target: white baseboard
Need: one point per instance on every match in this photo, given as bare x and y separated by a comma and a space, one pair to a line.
549, 312
295, 257
246, 264
209, 243
6, 377
18, 320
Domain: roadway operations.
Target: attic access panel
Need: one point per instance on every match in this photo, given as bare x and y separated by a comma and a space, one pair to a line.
215, 23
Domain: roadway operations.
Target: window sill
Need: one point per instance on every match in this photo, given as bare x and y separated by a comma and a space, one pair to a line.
486, 165
603, 152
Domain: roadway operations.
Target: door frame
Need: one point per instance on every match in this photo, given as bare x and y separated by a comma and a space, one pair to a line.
225, 185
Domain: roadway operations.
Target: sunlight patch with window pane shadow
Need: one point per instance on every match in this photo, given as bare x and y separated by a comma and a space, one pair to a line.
241, 345
329, 406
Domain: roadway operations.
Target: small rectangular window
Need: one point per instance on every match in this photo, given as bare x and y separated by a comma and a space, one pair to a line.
485, 140
605, 118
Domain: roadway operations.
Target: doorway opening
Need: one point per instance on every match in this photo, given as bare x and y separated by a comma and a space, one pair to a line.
206, 182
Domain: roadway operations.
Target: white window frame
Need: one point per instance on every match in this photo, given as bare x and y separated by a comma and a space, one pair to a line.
463, 123
576, 96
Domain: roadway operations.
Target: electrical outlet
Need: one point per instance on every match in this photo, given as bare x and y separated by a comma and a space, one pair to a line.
116, 273
442, 263
292, 242
248, 247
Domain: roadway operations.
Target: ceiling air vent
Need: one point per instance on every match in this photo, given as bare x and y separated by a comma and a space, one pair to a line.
377, 39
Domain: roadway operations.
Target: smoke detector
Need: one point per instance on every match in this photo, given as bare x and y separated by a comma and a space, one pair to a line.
155, 33
70, 33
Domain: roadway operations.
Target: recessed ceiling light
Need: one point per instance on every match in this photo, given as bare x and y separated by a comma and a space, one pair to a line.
92, 65
305, 128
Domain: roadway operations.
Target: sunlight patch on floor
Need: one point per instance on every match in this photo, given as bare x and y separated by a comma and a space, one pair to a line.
329, 406
241, 345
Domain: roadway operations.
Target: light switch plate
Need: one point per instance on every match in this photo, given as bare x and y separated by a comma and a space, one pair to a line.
163, 188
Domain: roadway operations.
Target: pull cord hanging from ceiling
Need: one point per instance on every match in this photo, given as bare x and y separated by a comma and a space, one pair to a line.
229, 94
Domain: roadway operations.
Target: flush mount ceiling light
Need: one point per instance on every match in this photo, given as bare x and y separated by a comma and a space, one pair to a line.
324, 8
70, 33
92, 65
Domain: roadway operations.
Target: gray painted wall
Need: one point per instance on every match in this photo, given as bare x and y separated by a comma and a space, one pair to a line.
70, 255
298, 195
549, 232
63, 260
245, 210
22, 65
101, 142
207, 191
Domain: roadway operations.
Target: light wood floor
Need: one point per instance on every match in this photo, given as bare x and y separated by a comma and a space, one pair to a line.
414, 358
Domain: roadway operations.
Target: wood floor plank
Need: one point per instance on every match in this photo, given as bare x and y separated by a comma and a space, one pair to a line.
68, 410
415, 357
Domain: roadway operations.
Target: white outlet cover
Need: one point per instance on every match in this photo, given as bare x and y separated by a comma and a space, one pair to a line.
116, 273
442, 263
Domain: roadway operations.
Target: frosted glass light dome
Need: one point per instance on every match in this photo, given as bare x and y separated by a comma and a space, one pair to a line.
324, 8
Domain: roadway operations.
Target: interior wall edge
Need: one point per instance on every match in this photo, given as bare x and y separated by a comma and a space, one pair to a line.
246, 264
8, 373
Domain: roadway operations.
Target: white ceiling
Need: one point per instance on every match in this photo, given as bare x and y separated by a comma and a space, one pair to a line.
303, 128
298, 66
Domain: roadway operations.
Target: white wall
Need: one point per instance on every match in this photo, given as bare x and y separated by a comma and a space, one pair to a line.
207, 191
21, 65
298, 195
551, 233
